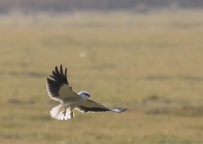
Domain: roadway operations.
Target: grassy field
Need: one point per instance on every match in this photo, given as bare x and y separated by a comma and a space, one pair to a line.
150, 63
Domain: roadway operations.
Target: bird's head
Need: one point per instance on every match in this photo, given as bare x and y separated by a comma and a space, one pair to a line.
84, 94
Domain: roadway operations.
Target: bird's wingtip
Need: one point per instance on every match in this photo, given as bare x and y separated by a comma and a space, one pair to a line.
119, 110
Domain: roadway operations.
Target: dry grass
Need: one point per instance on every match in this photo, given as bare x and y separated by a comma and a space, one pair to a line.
149, 63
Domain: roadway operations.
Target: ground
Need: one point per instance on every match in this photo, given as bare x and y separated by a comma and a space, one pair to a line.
150, 63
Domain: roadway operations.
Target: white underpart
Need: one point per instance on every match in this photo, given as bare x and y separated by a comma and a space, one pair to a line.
68, 106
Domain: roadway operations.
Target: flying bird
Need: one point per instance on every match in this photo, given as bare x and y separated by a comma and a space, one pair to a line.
58, 89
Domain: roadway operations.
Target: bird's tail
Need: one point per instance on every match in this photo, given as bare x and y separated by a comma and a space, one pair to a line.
60, 113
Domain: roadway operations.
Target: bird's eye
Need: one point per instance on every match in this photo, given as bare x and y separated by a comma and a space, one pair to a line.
86, 94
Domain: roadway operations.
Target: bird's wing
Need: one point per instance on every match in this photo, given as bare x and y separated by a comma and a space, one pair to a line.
92, 106
58, 87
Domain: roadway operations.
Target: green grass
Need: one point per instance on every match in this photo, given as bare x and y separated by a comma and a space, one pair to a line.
149, 63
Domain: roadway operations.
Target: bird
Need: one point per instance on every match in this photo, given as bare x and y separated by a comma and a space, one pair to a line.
58, 89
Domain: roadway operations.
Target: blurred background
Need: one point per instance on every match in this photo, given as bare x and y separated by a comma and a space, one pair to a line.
138, 54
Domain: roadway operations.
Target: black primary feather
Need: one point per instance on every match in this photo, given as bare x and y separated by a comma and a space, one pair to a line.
58, 79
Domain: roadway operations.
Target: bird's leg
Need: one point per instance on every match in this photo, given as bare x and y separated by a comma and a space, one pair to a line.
71, 114
64, 112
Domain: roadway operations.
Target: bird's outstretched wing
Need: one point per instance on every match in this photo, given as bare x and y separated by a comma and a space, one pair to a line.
58, 88
92, 106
